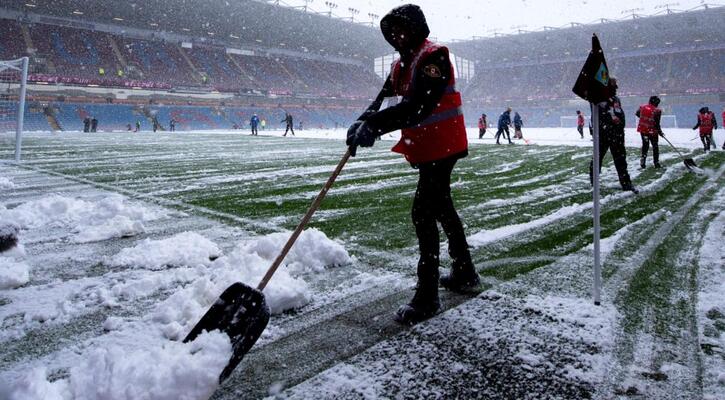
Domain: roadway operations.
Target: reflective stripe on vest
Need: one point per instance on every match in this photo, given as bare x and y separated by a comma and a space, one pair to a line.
443, 132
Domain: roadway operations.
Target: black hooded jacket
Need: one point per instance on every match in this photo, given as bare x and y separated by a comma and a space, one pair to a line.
427, 91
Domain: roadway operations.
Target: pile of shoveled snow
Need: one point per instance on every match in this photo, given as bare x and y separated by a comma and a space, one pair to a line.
13, 273
248, 263
93, 218
172, 371
187, 248
6, 183
312, 251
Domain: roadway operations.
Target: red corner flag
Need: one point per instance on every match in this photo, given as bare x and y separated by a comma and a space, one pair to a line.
592, 84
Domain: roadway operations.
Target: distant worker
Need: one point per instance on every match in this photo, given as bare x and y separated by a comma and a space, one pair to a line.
172, 125
254, 122
128, 127
706, 122
290, 124
482, 126
611, 137
138, 126
263, 123
86, 124
580, 123
518, 123
155, 124
504, 121
650, 130
94, 124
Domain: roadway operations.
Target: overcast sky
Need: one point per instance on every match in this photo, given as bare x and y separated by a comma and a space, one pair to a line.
461, 19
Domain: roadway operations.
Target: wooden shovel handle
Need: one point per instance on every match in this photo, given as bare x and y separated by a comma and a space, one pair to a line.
675, 148
315, 205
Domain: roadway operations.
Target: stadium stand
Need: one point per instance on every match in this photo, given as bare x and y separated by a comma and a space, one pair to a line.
326, 83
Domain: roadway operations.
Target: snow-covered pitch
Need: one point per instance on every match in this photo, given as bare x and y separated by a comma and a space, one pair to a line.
126, 239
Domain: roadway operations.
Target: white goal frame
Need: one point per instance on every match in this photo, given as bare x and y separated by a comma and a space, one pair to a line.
20, 65
569, 121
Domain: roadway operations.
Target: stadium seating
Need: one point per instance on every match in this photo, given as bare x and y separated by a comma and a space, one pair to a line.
78, 56
11, 47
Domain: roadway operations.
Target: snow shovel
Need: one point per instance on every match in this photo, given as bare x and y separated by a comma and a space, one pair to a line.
689, 162
242, 311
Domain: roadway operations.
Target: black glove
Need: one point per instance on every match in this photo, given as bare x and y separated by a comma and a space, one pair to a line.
363, 135
351, 132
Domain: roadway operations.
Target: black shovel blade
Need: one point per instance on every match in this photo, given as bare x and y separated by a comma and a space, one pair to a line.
690, 163
242, 313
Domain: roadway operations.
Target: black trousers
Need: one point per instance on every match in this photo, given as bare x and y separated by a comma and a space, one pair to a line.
614, 142
254, 130
481, 132
646, 140
580, 128
290, 129
706, 141
501, 131
433, 204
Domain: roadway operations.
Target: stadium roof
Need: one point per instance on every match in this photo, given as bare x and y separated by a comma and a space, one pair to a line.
233, 21
687, 30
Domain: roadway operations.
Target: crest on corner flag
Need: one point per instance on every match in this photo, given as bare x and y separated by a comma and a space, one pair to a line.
602, 75
592, 84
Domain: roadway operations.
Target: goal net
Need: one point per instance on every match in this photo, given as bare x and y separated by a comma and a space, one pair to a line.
13, 80
569, 121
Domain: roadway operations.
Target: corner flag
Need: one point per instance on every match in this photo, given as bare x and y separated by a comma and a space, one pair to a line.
592, 84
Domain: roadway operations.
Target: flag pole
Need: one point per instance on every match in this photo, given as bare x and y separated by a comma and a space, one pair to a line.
595, 209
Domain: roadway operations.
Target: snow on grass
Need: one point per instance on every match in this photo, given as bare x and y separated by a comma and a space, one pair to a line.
183, 249
711, 306
174, 371
196, 280
13, 273
491, 235
89, 219
494, 346
157, 368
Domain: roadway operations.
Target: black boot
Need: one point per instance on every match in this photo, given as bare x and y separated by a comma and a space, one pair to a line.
461, 280
642, 163
630, 188
8, 237
424, 305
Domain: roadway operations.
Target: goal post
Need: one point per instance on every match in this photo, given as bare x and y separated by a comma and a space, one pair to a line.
569, 121
14, 79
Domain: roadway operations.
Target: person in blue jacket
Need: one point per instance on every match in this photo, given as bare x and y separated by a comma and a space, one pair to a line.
518, 123
254, 122
504, 121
